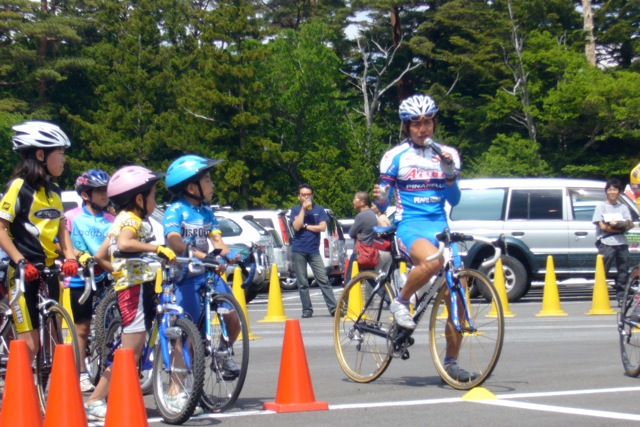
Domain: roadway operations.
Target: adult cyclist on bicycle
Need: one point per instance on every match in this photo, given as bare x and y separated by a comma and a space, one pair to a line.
422, 176
190, 221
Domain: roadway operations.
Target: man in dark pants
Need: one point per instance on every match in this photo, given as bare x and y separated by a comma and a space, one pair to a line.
309, 220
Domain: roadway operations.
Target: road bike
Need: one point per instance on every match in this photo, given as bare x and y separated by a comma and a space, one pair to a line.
56, 326
173, 348
629, 329
366, 337
220, 315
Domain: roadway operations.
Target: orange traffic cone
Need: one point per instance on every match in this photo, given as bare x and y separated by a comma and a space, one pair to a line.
238, 292
20, 405
65, 406
295, 392
600, 301
275, 308
550, 295
125, 406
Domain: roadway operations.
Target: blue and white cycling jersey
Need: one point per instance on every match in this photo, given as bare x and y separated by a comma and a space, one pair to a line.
87, 234
417, 183
194, 223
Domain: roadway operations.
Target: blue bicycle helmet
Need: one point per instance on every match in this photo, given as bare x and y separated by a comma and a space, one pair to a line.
416, 106
93, 178
187, 169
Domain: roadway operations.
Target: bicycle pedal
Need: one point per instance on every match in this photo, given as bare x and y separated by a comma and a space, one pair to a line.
405, 355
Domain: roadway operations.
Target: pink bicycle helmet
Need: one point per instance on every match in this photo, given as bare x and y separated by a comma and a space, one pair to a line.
130, 181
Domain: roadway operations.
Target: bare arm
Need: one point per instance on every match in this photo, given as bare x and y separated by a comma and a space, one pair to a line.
102, 256
7, 244
64, 238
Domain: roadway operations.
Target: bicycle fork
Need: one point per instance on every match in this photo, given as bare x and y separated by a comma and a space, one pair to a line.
456, 290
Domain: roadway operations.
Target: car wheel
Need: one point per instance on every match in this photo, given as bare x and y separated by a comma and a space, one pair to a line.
288, 284
515, 277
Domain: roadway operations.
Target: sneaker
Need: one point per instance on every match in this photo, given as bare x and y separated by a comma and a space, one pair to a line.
459, 374
230, 370
96, 411
307, 313
402, 315
85, 383
178, 402
635, 314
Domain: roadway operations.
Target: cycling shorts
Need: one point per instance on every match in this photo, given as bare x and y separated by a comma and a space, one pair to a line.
84, 312
137, 306
25, 310
408, 232
188, 294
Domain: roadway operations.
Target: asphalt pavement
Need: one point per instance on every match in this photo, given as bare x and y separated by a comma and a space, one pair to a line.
553, 371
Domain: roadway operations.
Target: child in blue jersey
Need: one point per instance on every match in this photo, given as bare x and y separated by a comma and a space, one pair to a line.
88, 226
190, 222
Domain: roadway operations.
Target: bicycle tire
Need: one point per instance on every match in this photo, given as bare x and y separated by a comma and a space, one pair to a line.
8, 333
221, 390
361, 345
479, 350
54, 334
628, 330
187, 381
106, 311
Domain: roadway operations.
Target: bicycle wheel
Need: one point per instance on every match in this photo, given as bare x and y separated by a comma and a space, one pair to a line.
53, 334
479, 348
177, 381
226, 360
7, 334
629, 331
360, 336
106, 311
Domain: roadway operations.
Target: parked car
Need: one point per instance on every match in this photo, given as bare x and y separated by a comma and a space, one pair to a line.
333, 249
275, 221
346, 224
539, 218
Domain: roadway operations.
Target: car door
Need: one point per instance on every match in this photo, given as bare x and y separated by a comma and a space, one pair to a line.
582, 230
536, 217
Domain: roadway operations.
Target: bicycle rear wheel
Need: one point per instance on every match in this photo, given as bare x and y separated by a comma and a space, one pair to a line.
360, 336
629, 330
54, 334
479, 348
7, 334
177, 386
106, 311
223, 381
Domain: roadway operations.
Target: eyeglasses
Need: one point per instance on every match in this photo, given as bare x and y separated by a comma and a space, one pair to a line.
306, 194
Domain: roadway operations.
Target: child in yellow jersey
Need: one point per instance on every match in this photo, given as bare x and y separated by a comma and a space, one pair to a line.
31, 218
132, 189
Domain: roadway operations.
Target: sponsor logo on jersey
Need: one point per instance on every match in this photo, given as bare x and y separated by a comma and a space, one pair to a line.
48, 214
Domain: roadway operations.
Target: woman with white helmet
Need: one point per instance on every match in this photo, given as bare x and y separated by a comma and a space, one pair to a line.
32, 218
422, 175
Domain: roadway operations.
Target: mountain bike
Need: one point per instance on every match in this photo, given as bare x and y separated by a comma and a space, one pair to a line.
56, 327
366, 337
219, 314
628, 329
173, 348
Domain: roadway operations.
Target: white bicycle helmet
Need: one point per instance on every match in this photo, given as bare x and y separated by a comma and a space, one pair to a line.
36, 134
418, 105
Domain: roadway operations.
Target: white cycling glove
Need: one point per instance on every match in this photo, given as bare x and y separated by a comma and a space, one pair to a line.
448, 167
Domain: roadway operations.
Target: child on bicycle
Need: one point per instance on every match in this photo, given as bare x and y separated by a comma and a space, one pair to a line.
132, 189
32, 218
189, 221
88, 226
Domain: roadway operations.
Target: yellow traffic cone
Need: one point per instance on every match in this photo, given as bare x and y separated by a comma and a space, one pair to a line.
356, 301
498, 282
600, 302
275, 308
238, 292
550, 297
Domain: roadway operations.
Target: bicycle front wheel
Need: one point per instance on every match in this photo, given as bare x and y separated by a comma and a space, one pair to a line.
177, 381
106, 311
227, 355
629, 330
57, 329
7, 334
361, 327
479, 346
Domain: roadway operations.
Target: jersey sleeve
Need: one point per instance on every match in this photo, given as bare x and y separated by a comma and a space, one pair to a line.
171, 221
9, 205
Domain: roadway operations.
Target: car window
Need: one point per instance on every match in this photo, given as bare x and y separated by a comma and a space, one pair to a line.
584, 201
480, 205
260, 229
228, 227
536, 204
265, 222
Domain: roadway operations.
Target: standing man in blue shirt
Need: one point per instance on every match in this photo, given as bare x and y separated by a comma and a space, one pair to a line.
308, 221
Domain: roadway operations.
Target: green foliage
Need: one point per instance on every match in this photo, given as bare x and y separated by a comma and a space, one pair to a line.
509, 156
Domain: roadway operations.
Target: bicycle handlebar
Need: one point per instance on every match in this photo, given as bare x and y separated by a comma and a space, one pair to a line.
459, 237
89, 282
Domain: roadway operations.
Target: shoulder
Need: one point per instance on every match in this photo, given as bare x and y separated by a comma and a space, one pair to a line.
128, 219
